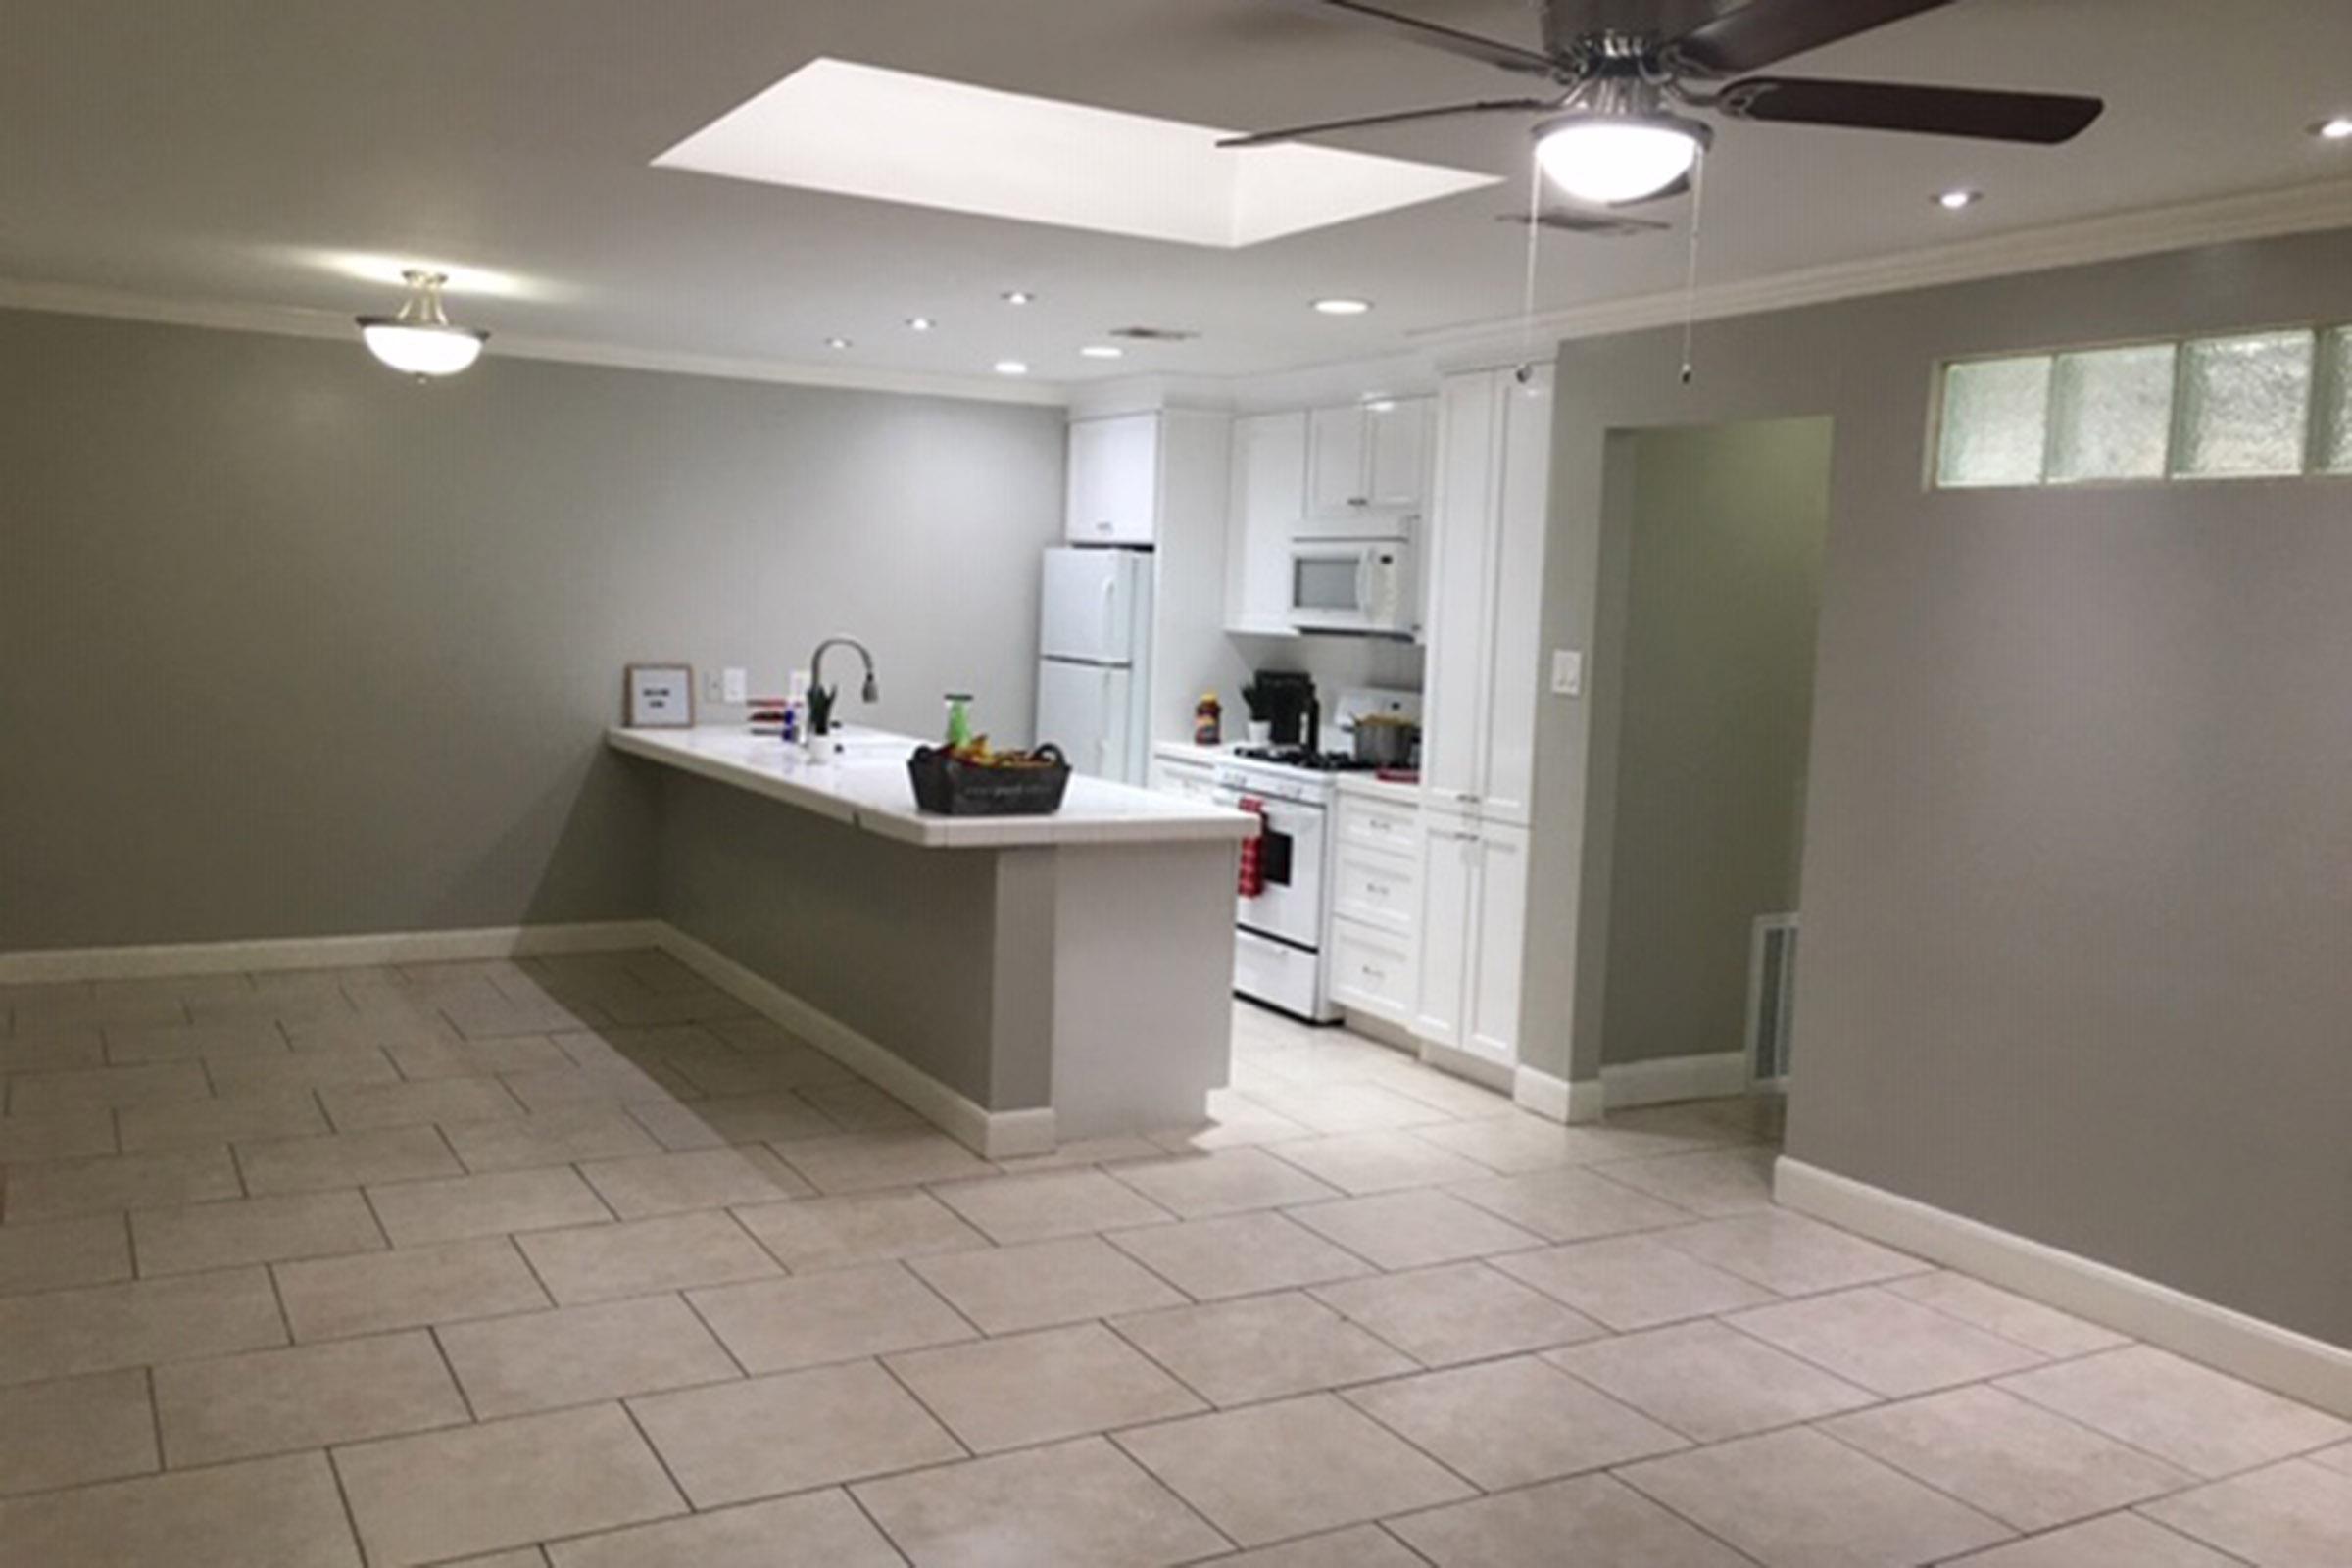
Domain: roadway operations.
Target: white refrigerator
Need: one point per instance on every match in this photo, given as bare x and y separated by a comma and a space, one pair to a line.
1094, 674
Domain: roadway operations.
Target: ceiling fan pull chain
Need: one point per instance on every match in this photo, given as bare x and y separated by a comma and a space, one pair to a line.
1698, 208
1535, 238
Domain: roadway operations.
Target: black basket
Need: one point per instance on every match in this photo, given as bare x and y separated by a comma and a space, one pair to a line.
946, 787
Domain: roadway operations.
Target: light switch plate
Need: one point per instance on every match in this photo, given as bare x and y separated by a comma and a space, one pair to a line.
1568, 672
738, 686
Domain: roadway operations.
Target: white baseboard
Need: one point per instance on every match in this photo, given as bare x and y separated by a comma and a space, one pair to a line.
323, 952
1556, 1098
990, 1134
1672, 1078
1480, 1070
2293, 1364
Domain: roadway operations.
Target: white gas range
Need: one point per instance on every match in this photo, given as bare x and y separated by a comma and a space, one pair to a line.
1280, 928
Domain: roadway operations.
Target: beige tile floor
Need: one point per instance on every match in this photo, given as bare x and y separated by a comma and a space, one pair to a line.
574, 1263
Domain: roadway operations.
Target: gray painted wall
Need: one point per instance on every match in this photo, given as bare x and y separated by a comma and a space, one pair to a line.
290, 646
2077, 873
1726, 526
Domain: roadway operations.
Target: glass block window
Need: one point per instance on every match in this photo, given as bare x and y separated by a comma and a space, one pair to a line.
2242, 406
2245, 406
2335, 424
1996, 422
2111, 415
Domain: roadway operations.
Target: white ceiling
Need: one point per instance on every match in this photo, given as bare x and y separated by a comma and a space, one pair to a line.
241, 151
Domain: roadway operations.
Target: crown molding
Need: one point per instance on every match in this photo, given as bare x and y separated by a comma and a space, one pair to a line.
69, 298
2114, 236
1466, 346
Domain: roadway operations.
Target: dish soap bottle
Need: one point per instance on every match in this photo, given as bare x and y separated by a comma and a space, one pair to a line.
1208, 720
959, 719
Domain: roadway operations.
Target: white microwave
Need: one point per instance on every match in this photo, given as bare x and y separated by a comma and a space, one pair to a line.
1358, 585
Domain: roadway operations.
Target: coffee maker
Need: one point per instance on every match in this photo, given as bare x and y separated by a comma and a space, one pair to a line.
1284, 699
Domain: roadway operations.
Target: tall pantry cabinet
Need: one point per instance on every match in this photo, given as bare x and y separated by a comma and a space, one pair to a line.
1484, 562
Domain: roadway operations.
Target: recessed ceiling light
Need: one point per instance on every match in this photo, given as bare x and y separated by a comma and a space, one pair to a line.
2339, 129
1012, 367
1103, 351
1018, 296
1958, 201
1343, 307
919, 324
837, 343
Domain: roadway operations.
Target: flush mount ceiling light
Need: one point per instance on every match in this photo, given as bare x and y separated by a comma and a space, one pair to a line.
1343, 307
419, 341
919, 324
838, 343
1012, 367
1017, 296
1958, 201
2338, 128
1103, 351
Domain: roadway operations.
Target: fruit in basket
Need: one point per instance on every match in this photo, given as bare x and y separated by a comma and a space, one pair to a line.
977, 753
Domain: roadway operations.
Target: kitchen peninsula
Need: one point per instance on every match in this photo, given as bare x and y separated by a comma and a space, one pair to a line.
1022, 981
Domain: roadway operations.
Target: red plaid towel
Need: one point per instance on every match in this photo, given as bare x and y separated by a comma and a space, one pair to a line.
1254, 861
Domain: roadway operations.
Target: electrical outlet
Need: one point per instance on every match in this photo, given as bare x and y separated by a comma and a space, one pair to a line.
736, 686
1567, 673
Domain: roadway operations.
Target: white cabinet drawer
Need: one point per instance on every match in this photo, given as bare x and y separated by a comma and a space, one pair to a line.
1380, 825
1371, 971
1379, 888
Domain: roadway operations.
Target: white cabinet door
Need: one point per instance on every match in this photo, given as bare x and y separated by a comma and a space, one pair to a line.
1499, 898
1269, 500
1114, 480
1460, 568
1514, 655
1448, 925
1336, 463
1371, 971
1400, 435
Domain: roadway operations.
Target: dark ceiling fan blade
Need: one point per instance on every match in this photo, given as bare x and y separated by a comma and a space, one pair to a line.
1765, 31
1491, 51
1575, 220
2044, 119
1491, 106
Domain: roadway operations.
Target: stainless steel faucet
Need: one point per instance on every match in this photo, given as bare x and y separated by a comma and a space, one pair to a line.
821, 696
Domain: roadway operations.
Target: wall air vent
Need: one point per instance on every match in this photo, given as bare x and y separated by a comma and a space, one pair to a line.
1772, 1000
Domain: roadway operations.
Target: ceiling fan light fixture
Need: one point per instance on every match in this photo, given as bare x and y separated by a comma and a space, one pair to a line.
1606, 159
419, 340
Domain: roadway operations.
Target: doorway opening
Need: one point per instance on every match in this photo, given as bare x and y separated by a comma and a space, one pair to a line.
1712, 572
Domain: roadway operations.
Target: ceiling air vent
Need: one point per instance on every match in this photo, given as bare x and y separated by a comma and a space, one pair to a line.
1153, 335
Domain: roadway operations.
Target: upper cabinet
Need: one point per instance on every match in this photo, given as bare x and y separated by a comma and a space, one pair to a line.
1367, 459
1485, 583
1269, 496
1113, 496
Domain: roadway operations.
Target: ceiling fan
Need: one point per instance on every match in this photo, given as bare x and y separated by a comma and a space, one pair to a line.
1617, 70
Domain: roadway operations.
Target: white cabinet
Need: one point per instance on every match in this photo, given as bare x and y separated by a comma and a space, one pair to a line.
1113, 496
1449, 916
1376, 904
1183, 776
1472, 932
1367, 460
1269, 497
1371, 971
1486, 571
1492, 1011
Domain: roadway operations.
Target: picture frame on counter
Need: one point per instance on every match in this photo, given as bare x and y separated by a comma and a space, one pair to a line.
658, 697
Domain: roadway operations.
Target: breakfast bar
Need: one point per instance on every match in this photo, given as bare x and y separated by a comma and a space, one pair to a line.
1022, 981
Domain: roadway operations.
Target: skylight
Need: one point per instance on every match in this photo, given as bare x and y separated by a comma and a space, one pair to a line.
860, 131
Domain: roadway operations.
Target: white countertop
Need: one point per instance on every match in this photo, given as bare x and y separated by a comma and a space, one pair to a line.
1370, 786
868, 789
